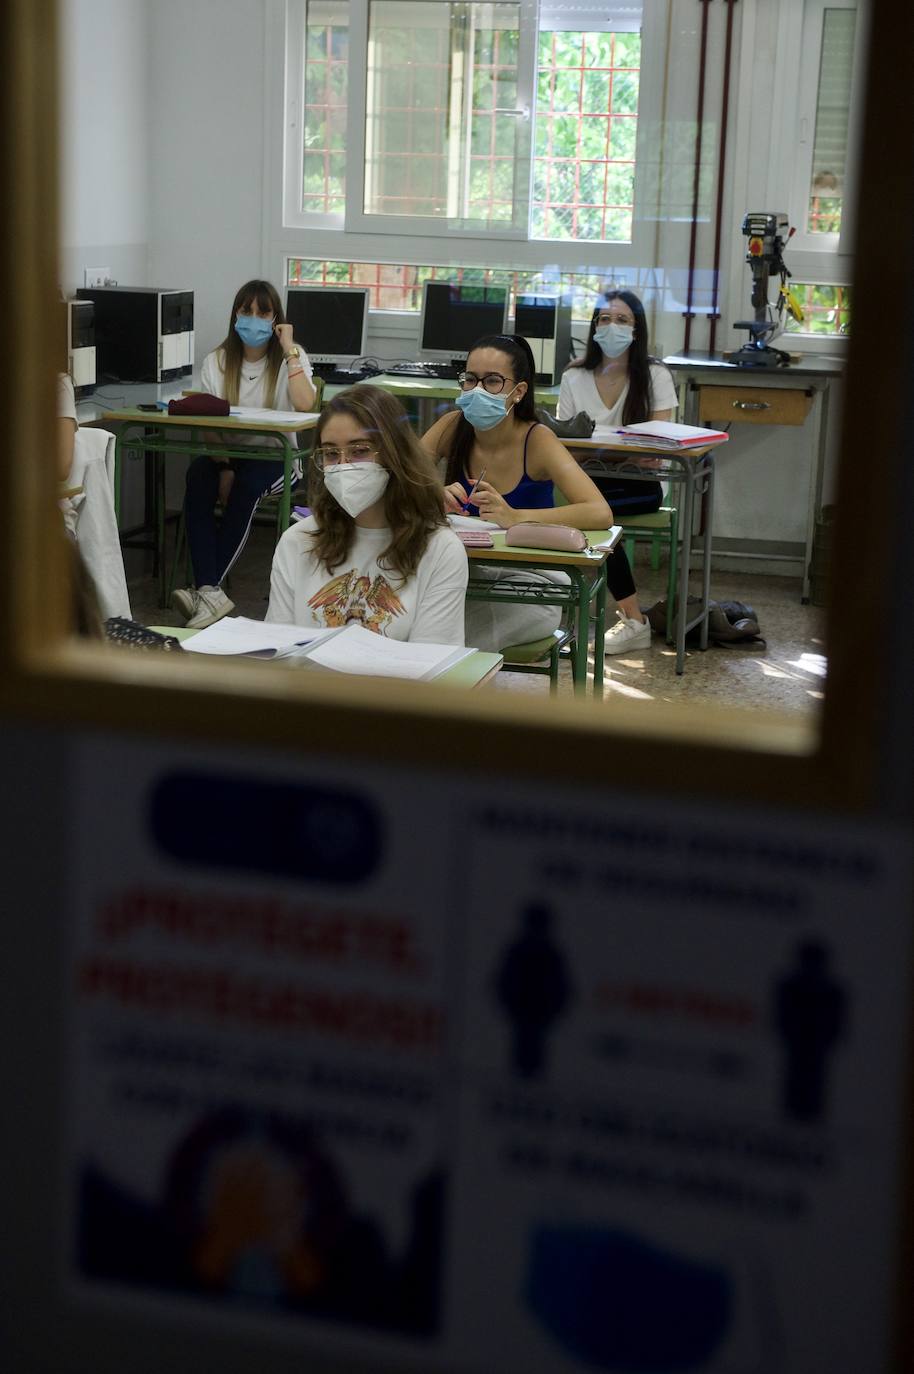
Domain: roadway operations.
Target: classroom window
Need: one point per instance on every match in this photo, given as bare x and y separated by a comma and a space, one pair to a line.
832, 122
518, 119
326, 89
826, 309
398, 286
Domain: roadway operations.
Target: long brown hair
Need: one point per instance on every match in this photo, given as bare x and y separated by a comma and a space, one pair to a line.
639, 400
413, 501
266, 298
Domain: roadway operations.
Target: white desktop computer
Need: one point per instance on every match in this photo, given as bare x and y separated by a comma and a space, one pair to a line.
545, 322
81, 346
142, 333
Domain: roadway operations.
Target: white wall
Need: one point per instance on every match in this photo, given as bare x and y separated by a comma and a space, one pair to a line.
104, 146
206, 185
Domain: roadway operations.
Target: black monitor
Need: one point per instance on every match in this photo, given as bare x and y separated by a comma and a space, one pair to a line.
455, 315
330, 322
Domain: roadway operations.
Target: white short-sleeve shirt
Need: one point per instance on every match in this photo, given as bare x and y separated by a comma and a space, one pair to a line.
578, 391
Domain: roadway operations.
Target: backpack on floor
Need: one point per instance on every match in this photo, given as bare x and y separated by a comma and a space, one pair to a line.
729, 622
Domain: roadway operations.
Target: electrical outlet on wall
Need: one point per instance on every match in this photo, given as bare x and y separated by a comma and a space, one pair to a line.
97, 276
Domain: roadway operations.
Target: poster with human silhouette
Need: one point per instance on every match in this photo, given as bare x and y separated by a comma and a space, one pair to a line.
459, 1079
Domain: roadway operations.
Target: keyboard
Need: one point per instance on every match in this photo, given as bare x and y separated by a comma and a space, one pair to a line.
338, 376
445, 372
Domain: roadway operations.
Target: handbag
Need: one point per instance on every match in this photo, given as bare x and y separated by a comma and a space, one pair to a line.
561, 538
199, 403
580, 426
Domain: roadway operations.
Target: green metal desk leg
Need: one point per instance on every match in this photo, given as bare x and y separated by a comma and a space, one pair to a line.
159, 470
599, 632
582, 589
285, 503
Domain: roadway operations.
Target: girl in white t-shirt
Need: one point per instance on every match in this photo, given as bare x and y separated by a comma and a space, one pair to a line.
257, 364
376, 550
618, 383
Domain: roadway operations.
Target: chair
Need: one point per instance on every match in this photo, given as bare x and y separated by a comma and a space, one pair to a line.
528, 658
268, 508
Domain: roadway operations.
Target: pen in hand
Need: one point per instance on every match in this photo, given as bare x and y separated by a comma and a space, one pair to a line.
469, 501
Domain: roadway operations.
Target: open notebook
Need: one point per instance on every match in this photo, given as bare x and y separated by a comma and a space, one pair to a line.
350, 649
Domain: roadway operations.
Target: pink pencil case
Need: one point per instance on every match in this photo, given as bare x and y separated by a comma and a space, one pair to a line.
561, 538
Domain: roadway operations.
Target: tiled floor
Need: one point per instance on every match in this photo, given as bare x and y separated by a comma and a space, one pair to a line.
787, 673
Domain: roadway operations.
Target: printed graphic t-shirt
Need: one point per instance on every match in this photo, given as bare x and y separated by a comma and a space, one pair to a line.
427, 608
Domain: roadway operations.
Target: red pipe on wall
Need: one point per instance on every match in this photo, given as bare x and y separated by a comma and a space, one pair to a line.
721, 156
700, 120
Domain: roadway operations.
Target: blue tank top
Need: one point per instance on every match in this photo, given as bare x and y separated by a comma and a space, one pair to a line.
529, 494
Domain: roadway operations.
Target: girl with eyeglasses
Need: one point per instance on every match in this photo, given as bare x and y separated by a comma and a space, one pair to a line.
496, 450
257, 364
618, 383
376, 549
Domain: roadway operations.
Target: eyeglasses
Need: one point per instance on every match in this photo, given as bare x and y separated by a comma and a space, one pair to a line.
606, 318
493, 382
328, 456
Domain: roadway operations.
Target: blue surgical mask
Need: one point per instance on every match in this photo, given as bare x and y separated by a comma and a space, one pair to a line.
482, 410
253, 331
614, 339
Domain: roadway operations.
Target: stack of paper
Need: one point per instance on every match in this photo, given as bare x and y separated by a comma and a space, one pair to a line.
354, 649
350, 649
253, 638
660, 434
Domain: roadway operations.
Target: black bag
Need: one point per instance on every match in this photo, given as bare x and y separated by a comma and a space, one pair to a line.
729, 622
130, 634
580, 426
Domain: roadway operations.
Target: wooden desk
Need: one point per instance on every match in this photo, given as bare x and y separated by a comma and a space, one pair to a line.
476, 670
719, 393
692, 471
586, 585
159, 434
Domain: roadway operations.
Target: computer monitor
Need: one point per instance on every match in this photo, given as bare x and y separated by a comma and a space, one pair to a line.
455, 315
331, 322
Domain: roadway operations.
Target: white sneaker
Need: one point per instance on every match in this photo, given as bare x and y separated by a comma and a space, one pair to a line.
210, 605
184, 600
627, 635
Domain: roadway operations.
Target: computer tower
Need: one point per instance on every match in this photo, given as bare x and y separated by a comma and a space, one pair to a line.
81, 346
545, 322
142, 333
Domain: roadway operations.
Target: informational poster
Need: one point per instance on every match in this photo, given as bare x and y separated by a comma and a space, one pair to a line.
484, 1078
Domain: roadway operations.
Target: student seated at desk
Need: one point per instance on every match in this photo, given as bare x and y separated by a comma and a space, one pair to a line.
376, 549
617, 383
257, 364
495, 448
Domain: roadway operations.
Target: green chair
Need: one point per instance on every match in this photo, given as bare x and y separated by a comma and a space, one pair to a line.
541, 656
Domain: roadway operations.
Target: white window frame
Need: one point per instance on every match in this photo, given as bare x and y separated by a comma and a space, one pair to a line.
813, 17
824, 259
359, 226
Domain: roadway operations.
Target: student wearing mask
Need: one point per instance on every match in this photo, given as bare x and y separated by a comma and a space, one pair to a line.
257, 364
495, 448
376, 549
618, 383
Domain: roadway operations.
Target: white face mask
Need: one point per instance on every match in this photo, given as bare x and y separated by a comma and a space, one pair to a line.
356, 486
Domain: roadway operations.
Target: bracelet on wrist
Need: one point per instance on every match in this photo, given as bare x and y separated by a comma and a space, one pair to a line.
299, 372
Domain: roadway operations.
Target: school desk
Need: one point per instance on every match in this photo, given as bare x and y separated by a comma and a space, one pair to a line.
585, 587
476, 670
691, 472
162, 436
